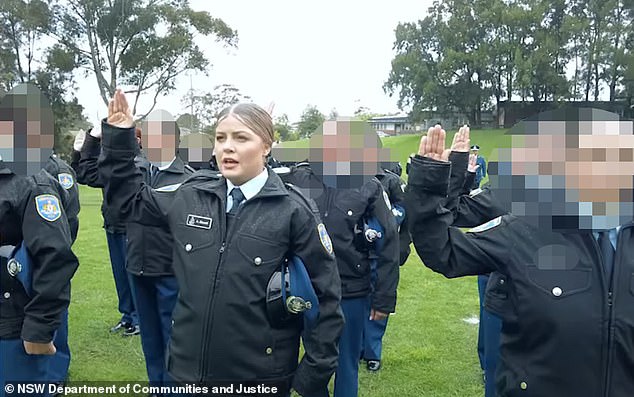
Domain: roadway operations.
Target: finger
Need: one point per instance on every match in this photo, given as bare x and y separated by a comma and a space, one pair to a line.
110, 108
441, 140
119, 101
433, 137
422, 147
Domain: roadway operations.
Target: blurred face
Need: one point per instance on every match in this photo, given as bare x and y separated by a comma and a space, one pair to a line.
587, 175
26, 130
346, 154
160, 141
240, 152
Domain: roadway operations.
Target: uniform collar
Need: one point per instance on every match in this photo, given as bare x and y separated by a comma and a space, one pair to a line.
273, 186
252, 186
176, 166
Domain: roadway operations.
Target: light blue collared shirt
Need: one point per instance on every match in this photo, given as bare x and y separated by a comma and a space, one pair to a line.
612, 233
249, 188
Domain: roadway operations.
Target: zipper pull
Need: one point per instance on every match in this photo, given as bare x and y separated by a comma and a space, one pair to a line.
222, 248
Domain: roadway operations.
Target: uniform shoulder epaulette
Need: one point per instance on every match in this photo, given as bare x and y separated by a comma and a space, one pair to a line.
475, 192
198, 176
189, 168
297, 193
486, 226
281, 170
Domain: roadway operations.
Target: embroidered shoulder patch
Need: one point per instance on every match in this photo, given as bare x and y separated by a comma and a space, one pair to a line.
486, 226
48, 207
325, 238
66, 180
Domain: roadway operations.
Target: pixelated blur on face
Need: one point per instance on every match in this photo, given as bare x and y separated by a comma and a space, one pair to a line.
240, 152
346, 154
26, 130
601, 168
577, 168
160, 138
196, 148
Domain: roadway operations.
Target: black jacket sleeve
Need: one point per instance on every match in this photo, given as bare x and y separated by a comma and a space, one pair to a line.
384, 295
125, 193
478, 208
321, 342
87, 171
442, 247
54, 263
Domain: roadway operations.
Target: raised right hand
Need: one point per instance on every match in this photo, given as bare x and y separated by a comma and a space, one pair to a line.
432, 145
79, 140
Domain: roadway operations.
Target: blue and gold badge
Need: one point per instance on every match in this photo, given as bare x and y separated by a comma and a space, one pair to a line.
66, 180
325, 238
48, 207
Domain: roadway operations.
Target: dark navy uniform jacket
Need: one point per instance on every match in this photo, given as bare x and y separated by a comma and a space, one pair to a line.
394, 187
571, 329
67, 178
220, 326
342, 211
32, 211
88, 174
149, 248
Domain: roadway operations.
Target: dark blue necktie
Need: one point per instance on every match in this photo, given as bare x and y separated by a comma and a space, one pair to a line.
607, 251
238, 197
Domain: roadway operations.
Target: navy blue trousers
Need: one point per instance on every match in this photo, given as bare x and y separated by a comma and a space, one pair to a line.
155, 299
350, 346
122, 279
58, 369
488, 340
17, 366
373, 330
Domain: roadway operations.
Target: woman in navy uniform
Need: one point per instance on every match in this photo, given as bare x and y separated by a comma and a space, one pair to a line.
232, 233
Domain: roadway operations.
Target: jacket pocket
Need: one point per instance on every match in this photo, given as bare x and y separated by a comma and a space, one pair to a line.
259, 251
560, 283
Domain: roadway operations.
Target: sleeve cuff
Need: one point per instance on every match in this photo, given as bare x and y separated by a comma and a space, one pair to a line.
115, 138
431, 175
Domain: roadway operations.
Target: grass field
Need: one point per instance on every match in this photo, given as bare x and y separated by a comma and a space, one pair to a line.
429, 350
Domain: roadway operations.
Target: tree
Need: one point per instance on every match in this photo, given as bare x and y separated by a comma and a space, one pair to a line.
282, 127
207, 106
333, 114
145, 44
23, 25
310, 120
186, 120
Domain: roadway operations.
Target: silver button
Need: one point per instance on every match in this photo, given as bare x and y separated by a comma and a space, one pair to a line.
269, 350
557, 291
349, 212
501, 281
523, 386
257, 261
7, 295
188, 247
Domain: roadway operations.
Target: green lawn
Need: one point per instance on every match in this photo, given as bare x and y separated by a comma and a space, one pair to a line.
429, 350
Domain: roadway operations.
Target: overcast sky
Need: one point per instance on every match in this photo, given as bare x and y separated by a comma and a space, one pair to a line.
328, 53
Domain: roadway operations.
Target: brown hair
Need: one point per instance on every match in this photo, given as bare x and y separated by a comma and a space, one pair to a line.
253, 116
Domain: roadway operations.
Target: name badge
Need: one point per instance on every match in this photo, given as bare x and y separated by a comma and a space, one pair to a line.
201, 222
